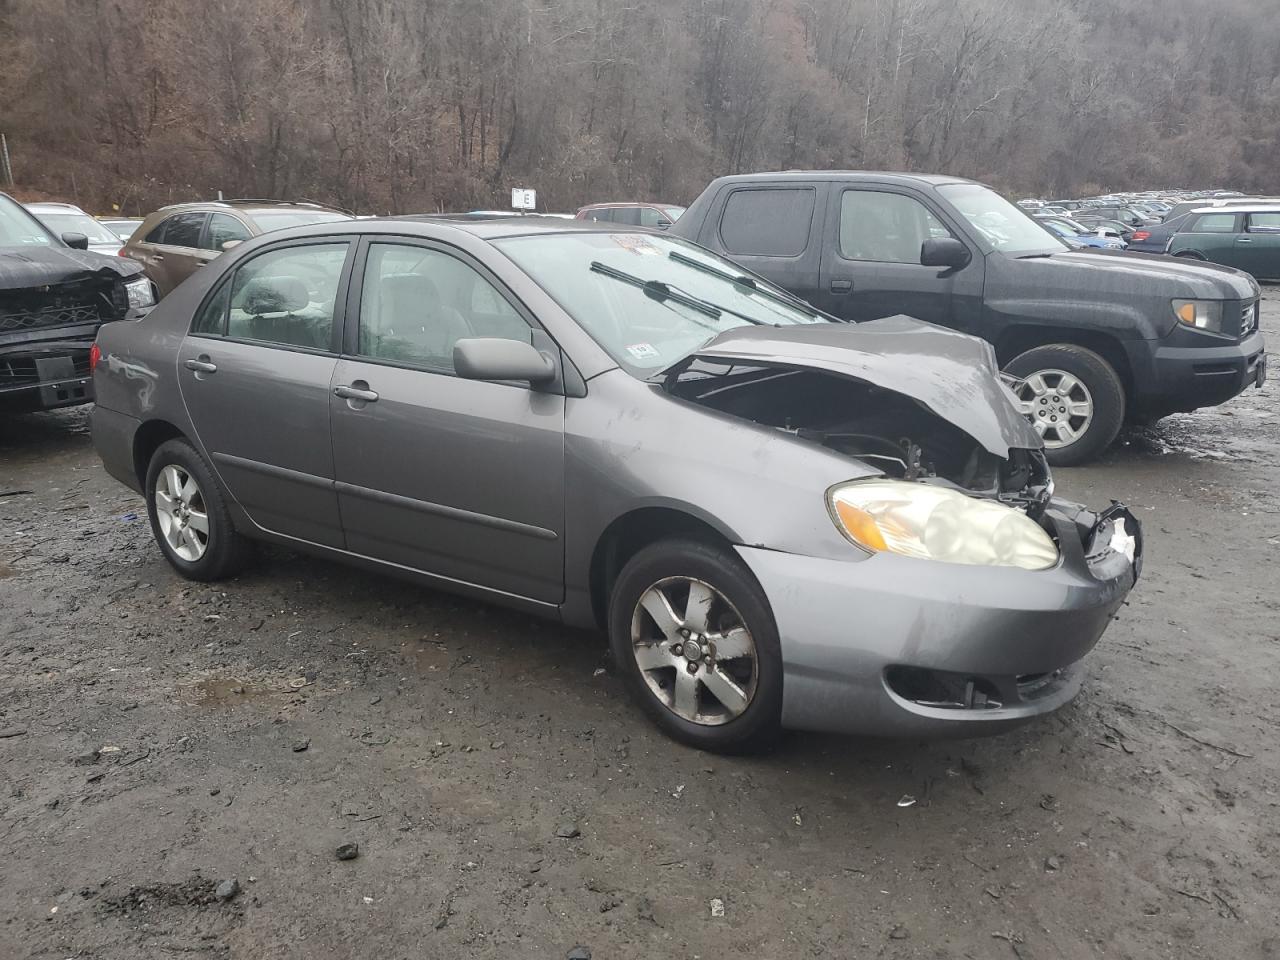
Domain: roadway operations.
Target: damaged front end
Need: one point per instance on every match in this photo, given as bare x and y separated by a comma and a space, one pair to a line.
919, 404
52, 302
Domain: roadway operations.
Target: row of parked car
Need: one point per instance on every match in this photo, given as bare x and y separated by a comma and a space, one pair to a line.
935, 249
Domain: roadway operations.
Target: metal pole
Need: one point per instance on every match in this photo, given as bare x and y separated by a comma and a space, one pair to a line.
8, 167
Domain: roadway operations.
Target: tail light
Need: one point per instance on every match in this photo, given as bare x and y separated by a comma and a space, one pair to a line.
95, 354
120, 252
1141, 234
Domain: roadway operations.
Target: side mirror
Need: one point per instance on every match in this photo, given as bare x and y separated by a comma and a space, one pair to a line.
229, 244
944, 252
491, 358
76, 241
662, 224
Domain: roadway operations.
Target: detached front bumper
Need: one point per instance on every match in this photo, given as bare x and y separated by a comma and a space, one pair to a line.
892, 646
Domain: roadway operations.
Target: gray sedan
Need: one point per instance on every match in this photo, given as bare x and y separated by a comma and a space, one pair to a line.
779, 519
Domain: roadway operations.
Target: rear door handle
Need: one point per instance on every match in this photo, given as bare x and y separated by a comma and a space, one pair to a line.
157, 258
1244, 240
353, 392
201, 366
841, 286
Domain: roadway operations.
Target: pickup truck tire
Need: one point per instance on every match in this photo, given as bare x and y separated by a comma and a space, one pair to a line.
189, 516
694, 638
1073, 398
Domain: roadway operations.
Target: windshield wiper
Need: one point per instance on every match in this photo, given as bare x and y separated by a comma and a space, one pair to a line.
657, 289
742, 280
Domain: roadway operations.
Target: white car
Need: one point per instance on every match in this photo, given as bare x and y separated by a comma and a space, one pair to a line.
64, 218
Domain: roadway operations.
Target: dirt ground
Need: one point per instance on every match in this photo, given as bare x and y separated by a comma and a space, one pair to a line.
159, 737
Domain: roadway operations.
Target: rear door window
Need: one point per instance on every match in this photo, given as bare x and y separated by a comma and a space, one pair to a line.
223, 228
773, 222
1215, 223
183, 230
287, 296
885, 227
1264, 223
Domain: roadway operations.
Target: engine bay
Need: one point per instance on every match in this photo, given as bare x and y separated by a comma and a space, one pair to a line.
885, 429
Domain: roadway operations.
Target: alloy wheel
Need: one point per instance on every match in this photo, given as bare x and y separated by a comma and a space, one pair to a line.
1058, 405
701, 662
181, 513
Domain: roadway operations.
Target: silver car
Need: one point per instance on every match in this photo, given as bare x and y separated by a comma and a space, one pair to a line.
780, 520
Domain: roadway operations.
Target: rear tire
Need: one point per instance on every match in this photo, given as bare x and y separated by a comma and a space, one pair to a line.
189, 515
707, 668
1073, 398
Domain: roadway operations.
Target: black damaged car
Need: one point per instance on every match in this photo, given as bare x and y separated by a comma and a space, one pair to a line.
54, 294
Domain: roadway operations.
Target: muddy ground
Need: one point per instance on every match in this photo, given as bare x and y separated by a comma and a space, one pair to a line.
158, 737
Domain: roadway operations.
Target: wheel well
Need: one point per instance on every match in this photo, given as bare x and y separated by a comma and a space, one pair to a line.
631, 533
146, 441
1189, 255
1021, 339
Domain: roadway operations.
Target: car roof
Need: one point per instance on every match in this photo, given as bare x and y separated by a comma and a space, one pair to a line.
879, 176
50, 206
630, 203
247, 206
1240, 208
515, 225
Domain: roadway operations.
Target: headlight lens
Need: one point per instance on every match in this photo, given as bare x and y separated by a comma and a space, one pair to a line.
140, 295
934, 523
1201, 314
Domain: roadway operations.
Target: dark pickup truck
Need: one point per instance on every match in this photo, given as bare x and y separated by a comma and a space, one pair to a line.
54, 294
1094, 338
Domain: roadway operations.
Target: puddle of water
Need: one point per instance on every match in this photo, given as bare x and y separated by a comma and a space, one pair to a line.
226, 692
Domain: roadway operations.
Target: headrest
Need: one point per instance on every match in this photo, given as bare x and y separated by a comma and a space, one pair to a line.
274, 295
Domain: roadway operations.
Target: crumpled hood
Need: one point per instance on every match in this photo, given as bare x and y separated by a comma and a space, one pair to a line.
953, 374
37, 266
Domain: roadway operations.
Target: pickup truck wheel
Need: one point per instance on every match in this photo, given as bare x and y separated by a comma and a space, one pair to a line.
693, 635
189, 516
1072, 397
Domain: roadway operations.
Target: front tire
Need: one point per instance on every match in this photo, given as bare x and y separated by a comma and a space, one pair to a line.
692, 632
189, 516
1072, 397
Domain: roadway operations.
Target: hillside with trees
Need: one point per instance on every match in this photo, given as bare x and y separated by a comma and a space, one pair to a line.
427, 105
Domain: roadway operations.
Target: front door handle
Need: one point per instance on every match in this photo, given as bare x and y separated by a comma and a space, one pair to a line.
202, 365
356, 391
841, 286
1243, 240
157, 258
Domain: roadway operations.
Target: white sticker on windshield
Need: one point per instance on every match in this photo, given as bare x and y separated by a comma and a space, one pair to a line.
636, 243
642, 351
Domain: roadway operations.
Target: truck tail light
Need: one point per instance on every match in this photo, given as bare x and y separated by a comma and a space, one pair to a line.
95, 354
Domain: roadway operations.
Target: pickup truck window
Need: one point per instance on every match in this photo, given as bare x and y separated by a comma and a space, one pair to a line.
999, 222
768, 223
885, 227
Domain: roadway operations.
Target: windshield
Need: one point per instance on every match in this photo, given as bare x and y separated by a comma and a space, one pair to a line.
1006, 227
61, 223
650, 301
18, 228
268, 220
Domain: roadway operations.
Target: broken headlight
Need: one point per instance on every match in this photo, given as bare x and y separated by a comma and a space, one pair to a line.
935, 523
140, 293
